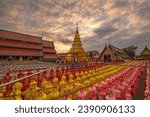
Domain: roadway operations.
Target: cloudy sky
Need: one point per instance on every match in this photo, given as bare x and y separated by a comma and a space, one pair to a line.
119, 22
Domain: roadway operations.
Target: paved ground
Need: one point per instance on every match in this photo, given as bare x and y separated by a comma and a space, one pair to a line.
140, 87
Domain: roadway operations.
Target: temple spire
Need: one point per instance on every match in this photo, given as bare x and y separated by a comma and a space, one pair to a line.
76, 53
77, 35
77, 32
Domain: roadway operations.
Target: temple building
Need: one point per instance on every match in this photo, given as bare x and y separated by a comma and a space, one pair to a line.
18, 46
145, 54
76, 53
49, 52
112, 54
61, 58
93, 55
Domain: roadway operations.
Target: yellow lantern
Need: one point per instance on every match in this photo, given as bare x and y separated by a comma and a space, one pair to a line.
69, 89
71, 76
44, 83
2, 90
77, 74
48, 89
41, 95
77, 85
55, 93
55, 82
62, 87
33, 89
28, 94
16, 91
63, 78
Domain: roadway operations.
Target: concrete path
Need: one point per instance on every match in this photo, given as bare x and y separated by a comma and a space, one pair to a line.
140, 87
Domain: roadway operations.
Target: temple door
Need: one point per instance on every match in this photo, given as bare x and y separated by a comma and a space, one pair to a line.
105, 58
109, 58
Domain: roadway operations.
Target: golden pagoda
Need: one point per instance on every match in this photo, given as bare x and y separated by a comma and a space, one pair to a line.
76, 53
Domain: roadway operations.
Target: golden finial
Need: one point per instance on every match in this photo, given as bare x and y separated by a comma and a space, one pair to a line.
77, 29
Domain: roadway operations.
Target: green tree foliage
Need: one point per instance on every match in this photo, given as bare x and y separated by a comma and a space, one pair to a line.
131, 51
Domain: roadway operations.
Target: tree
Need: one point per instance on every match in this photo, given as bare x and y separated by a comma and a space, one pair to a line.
130, 51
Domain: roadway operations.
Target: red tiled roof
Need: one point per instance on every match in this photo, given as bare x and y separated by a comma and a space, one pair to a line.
18, 36
48, 43
49, 56
17, 44
61, 54
19, 52
12, 43
51, 50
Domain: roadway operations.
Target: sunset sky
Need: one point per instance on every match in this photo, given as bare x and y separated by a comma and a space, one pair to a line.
119, 22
